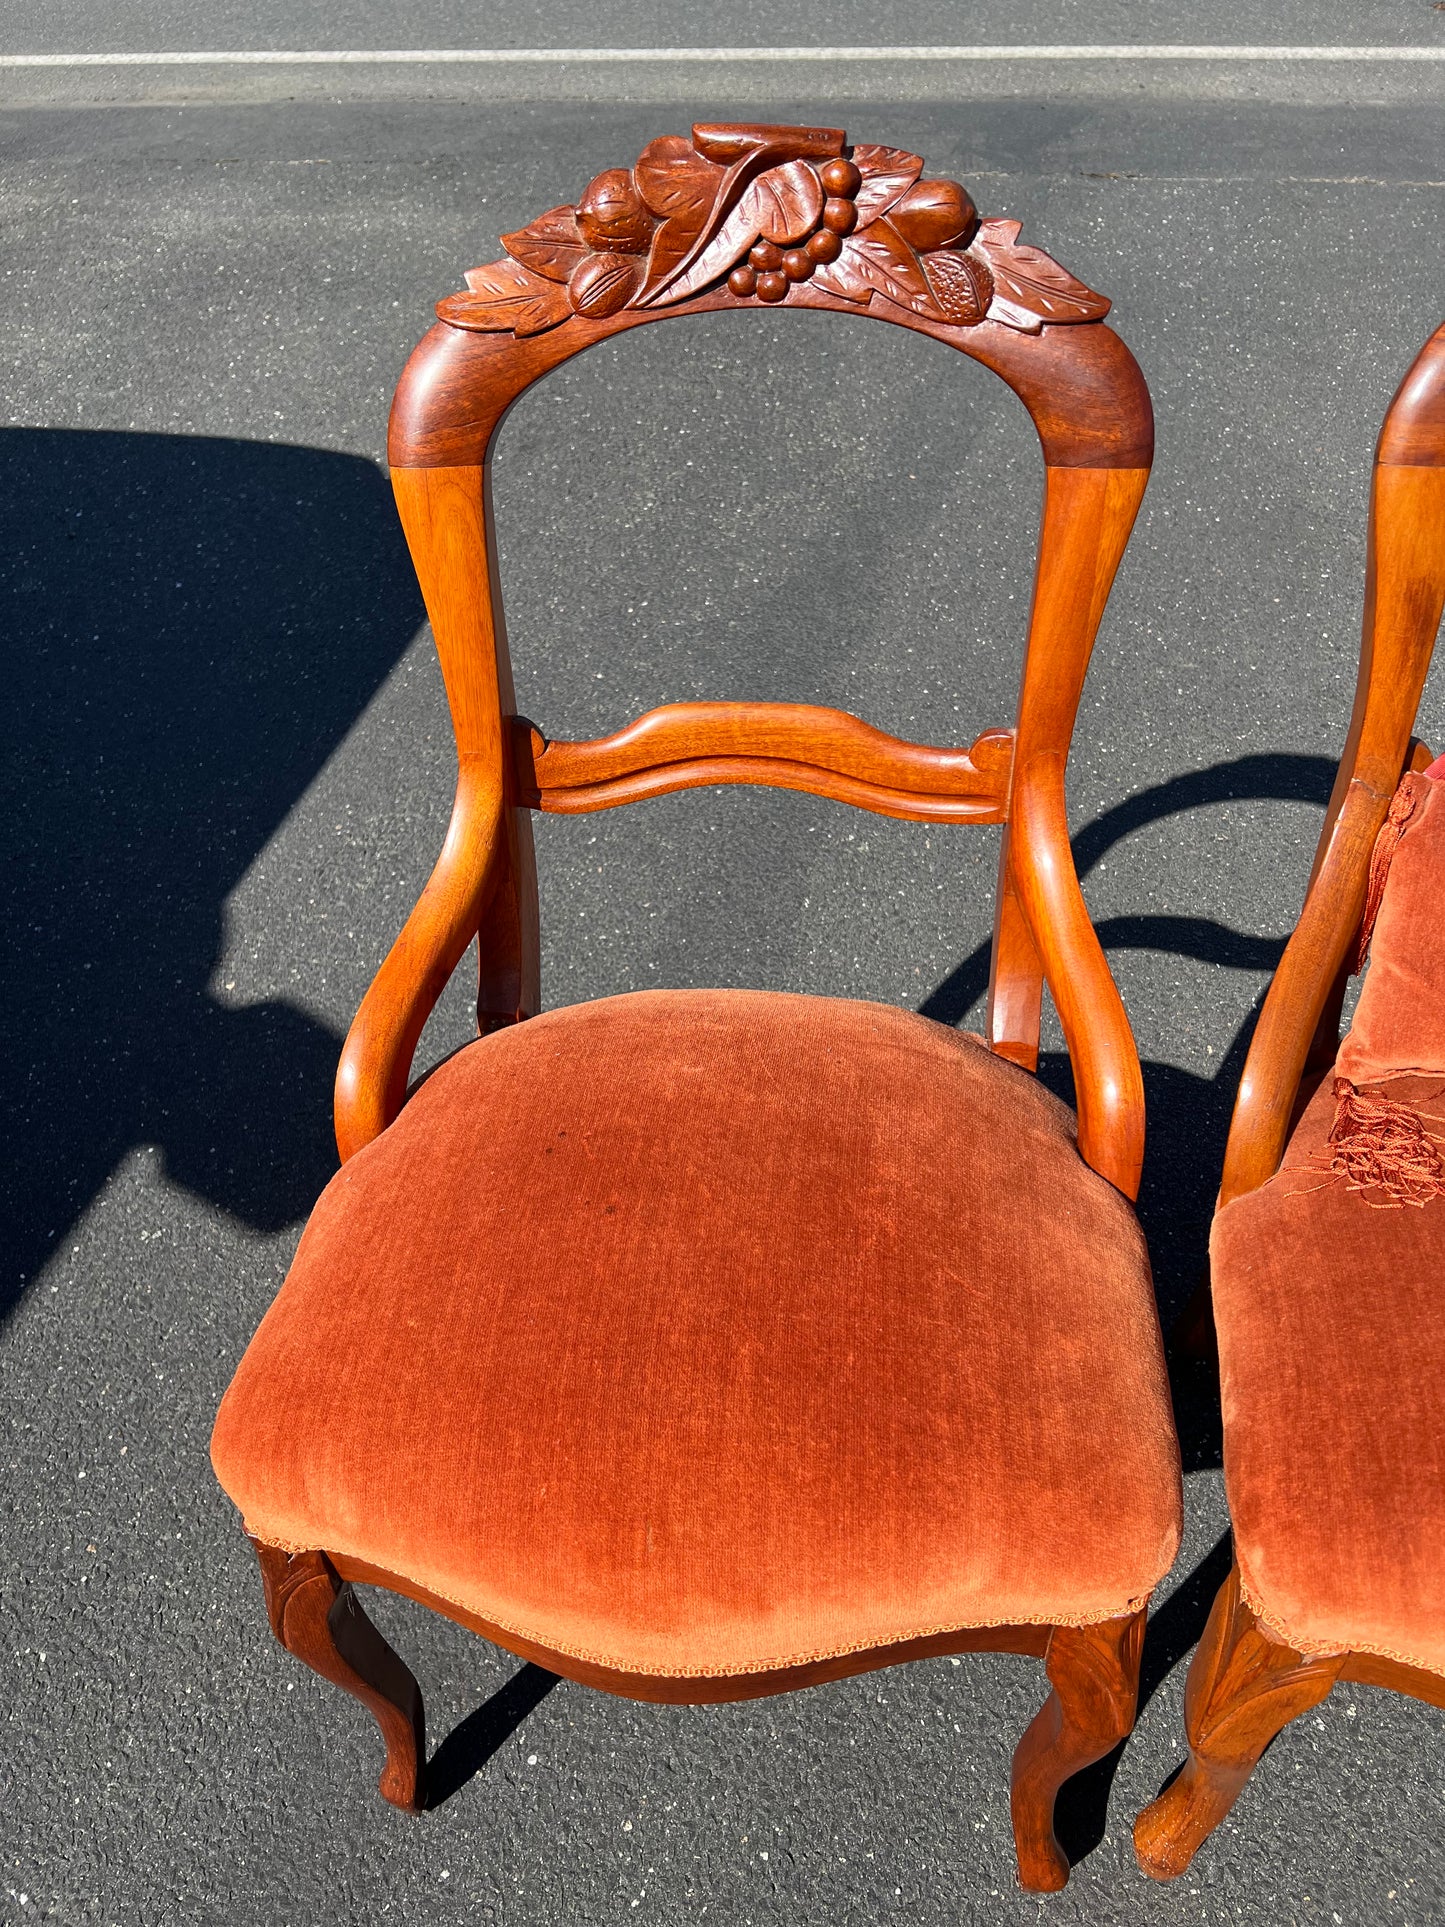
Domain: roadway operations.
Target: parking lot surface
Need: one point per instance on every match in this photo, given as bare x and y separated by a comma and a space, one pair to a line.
230, 770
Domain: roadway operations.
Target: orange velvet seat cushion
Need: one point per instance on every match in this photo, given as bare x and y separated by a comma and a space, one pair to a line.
1332, 1363
710, 1332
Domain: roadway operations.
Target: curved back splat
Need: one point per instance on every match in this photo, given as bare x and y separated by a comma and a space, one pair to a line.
737, 217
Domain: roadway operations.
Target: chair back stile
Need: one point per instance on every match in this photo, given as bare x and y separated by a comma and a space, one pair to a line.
1298, 1029
1090, 407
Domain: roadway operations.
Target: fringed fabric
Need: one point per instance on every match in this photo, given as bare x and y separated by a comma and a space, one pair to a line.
1382, 1148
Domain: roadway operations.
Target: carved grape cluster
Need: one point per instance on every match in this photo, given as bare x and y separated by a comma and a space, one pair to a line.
930, 214
762, 210
768, 272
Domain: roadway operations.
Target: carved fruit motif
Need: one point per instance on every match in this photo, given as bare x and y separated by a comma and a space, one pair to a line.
841, 178
611, 214
761, 211
603, 284
962, 286
935, 214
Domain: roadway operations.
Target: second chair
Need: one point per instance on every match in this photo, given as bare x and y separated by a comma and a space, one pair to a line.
1329, 1244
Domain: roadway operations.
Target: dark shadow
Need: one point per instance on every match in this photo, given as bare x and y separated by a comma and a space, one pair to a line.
1197, 937
192, 626
1177, 1626
473, 1741
1194, 1389
1082, 1810
1188, 1127
1279, 778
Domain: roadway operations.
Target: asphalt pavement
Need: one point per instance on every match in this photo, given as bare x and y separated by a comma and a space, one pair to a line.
228, 771
78, 26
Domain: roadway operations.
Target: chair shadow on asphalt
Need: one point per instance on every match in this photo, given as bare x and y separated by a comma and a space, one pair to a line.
194, 626
473, 1741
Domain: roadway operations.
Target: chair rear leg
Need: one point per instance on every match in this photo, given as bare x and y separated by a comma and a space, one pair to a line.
1095, 1676
317, 1616
1242, 1690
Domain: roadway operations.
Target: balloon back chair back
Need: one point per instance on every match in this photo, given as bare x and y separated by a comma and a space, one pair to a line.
701, 1345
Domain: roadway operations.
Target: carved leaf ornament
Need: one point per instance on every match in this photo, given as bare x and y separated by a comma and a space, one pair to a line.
762, 210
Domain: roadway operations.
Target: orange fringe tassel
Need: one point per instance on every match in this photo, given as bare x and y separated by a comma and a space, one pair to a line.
1402, 808
1376, 1144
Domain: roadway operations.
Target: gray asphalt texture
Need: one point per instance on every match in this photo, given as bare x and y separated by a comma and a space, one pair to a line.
228, 772
142, 26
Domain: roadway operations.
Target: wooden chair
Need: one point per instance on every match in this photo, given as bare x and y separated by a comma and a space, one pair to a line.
1327, 1311
704, 1345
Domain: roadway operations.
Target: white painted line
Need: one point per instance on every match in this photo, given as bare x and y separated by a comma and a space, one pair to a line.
707, 56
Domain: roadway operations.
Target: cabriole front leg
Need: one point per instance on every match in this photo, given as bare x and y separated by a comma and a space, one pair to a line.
1095, 1676
1242, 1690
316, 1616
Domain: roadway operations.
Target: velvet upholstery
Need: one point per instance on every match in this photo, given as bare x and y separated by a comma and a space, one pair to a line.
1399, 1023
710, 1332
1332, 1366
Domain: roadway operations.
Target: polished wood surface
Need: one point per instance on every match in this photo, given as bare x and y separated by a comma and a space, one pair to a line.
1243, 1687
825, 752
1094, 1671
1015, 974
762, 210
484, 884
316, 1616
744, 218
1081, 386
1088, 515
1370, 1669
1413, 434
1404, 595
1027, 318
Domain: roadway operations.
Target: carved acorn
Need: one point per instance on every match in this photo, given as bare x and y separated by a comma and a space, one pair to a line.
603, 284
611, 214
935, 214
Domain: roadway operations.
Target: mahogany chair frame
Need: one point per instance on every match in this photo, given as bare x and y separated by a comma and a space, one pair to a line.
1244, 1685
1090, 406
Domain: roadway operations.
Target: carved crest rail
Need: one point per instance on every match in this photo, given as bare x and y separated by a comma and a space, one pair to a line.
764, 211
